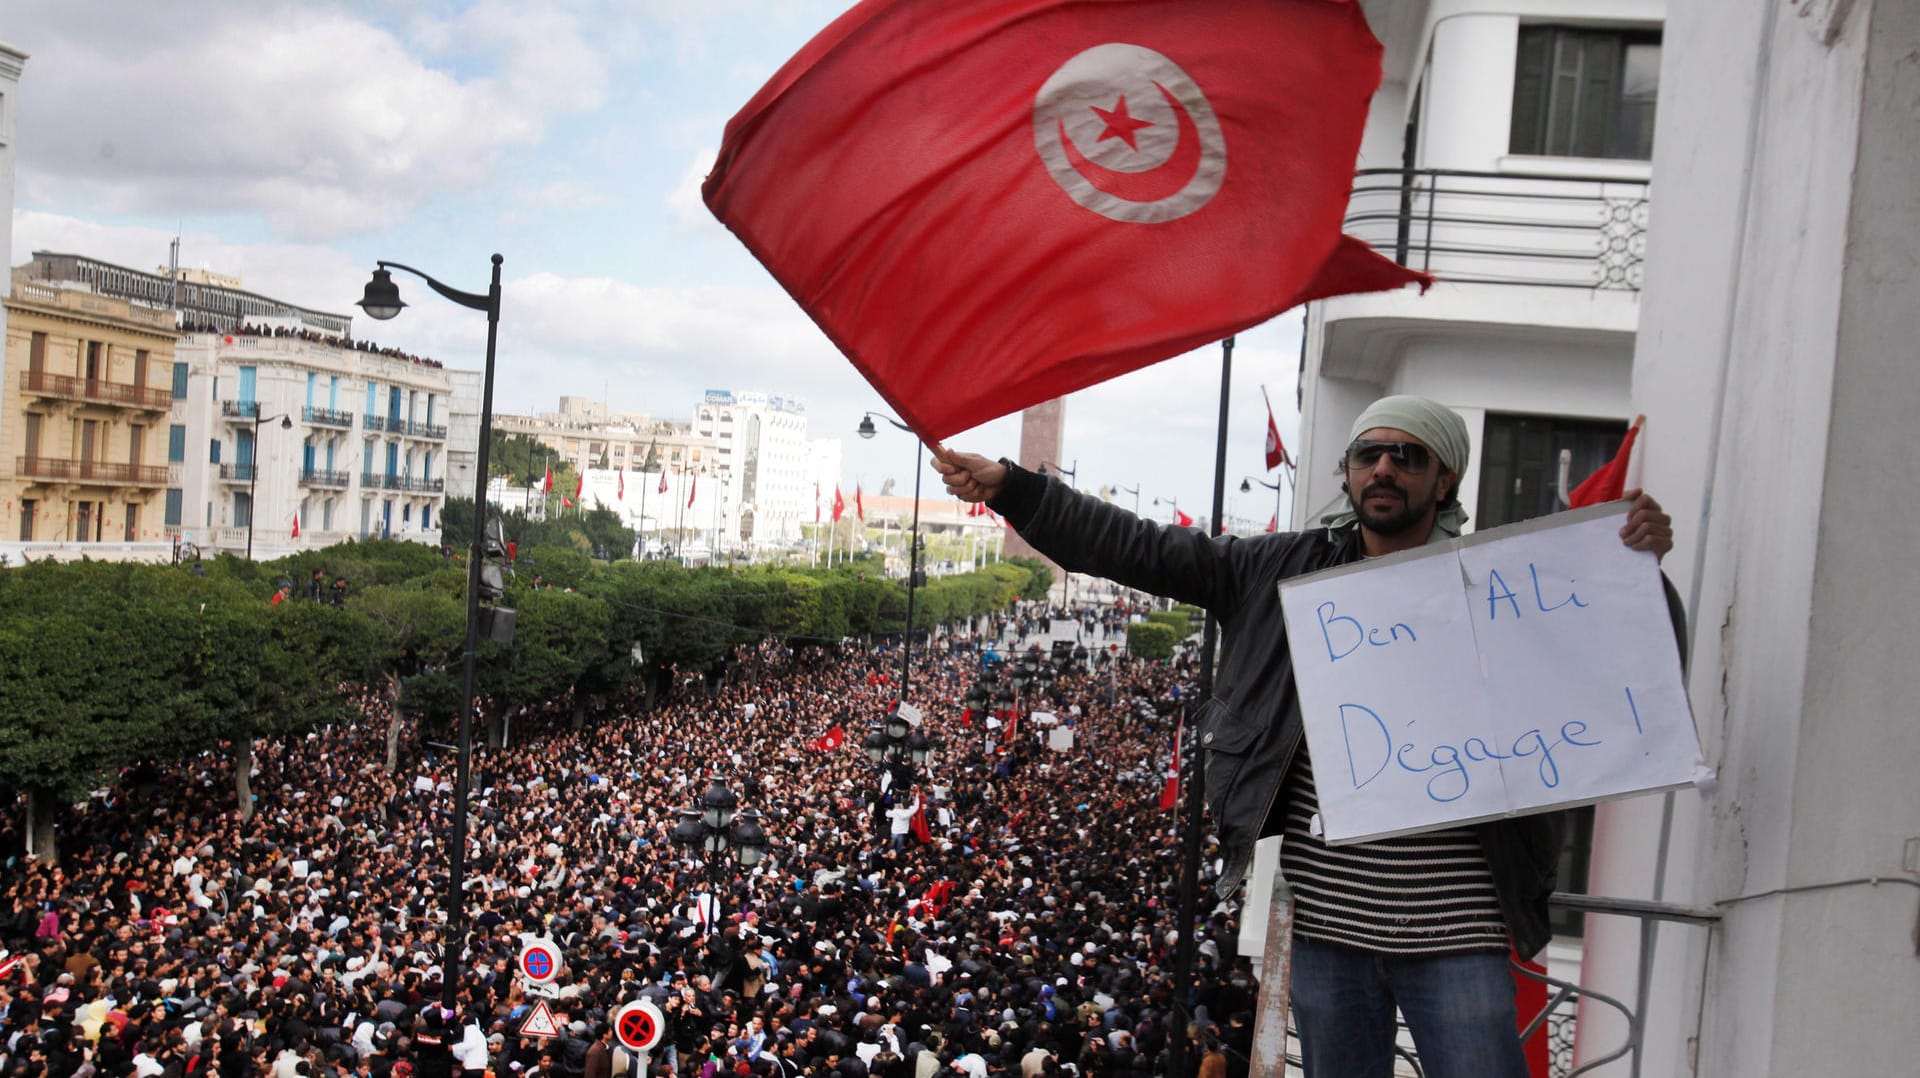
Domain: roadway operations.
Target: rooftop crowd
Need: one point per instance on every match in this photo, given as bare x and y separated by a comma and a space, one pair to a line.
1025, 930
248, 329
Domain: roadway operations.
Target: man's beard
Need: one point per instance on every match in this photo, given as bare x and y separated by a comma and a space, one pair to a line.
1391, 521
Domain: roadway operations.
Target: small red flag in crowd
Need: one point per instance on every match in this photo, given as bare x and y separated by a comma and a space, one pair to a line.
1610, 482
1273, 525
1181, 519
1104, 185
1170, 790
830, 740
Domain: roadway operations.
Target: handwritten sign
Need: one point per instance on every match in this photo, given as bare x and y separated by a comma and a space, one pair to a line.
1513, 671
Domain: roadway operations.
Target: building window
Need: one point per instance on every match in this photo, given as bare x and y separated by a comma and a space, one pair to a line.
175, 498
37, 353
28, 509
133, 517
1585, 93
242, 510
426, 518
176, 443
213, 451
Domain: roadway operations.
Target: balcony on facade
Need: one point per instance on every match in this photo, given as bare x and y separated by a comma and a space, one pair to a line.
237, 411
375, 424
1502, 228
405, 484
327, 417
427, 431
238, 473
322, 477
95, 472
94, 391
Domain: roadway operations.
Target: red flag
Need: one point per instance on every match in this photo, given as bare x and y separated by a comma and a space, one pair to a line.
693, 488
1181, 519
1276, 449
830, 740
859, 507
579, 485
566, 502
621, 493
816, 503
839, 505
1098, 206
547, 487
296, 525
663, 482
918, 823
1274, 524
1170, 791
1610, 481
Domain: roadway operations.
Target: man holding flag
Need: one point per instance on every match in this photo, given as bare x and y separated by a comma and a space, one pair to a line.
1422, 922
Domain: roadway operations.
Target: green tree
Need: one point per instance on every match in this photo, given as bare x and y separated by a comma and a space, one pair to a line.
1041, 580
1150, 640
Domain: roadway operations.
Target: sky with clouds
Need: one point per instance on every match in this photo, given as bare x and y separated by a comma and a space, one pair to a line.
292, 144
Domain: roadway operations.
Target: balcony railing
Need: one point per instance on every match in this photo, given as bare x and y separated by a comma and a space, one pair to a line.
426, 430
240, 409
425, 486
237, 473
91, 471
95, 391
1505, 228
321, 477
327, 417
374, 423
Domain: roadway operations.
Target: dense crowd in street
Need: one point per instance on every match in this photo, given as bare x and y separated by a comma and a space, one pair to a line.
1026, 929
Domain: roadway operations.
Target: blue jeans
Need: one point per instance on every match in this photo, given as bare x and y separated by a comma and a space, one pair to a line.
1459, 1009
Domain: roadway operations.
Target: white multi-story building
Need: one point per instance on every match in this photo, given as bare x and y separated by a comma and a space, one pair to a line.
12, 64
768, 472
267, 429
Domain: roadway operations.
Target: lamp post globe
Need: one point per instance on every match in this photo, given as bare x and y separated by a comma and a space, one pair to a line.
381, 300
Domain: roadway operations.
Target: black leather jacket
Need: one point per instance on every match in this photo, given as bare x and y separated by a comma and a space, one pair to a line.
1251, 727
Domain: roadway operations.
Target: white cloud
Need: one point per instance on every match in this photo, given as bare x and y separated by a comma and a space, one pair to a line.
324, 123
685, 203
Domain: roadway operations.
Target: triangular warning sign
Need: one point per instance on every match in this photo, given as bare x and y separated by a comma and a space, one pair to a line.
540, 1023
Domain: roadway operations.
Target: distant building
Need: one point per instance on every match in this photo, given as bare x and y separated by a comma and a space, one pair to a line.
12, 64
769, 474
276, 414
82, 471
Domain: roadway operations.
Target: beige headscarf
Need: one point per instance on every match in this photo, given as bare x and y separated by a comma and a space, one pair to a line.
1439, 428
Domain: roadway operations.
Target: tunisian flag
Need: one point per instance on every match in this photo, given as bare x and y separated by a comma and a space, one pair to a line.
830, 740
547, 486
990, 203
621, 493
1610, 481
693, 488
839, 505
663, 481
1182, 520
296, 525
1276, 449
859, 507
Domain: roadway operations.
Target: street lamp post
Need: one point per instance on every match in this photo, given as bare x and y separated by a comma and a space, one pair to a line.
253, 473
382, 301
898, 746
867, 430
714, 827
1135, 491
1246, 488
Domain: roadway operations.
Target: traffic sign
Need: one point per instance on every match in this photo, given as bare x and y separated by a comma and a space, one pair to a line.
540, 1023
540, 961
639, 1025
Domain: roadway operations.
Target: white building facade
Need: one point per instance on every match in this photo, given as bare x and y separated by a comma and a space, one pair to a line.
764, 465
267, 430
13, 64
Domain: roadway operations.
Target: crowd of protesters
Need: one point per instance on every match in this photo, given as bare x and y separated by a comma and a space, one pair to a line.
1024, 927
249, 329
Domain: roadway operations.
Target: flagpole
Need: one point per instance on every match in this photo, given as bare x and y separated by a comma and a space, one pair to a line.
1196, 788
643, 510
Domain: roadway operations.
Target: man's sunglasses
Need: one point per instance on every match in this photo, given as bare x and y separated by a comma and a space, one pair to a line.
1407, 456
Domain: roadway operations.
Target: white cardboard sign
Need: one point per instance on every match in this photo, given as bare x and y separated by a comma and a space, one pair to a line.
1516, 670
